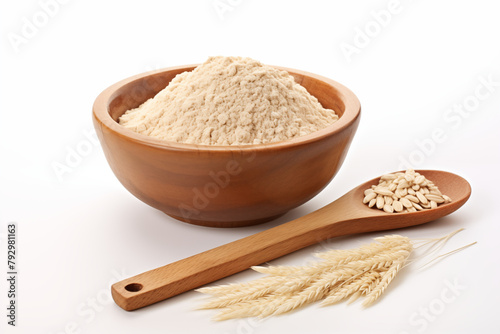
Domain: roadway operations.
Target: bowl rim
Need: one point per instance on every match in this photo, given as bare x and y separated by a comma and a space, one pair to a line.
100, 112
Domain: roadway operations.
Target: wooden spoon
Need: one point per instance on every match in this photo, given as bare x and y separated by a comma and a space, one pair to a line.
347, 215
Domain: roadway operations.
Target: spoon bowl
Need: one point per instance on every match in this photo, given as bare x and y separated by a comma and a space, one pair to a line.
454, 186
347, 215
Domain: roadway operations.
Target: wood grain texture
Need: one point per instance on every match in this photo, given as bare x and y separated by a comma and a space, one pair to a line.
223, 186
347, 215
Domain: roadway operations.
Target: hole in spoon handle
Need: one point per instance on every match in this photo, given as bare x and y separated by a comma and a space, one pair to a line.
133, 287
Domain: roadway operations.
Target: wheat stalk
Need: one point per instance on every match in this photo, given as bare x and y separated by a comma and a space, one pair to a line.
366, 271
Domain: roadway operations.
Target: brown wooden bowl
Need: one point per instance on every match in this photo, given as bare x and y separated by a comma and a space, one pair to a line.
223, 186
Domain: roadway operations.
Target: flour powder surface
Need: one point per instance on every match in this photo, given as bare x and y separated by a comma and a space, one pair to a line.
230, 101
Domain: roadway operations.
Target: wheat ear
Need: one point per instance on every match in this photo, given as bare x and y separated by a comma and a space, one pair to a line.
387, 278
246, 292
336, 258
366, 271
351, 287
236, 287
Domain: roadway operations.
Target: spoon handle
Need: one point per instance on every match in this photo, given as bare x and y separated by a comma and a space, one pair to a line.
170, 280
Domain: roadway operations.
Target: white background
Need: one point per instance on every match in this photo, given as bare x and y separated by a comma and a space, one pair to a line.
82, 231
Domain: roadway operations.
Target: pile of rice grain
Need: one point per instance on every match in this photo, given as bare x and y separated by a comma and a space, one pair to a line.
230, 101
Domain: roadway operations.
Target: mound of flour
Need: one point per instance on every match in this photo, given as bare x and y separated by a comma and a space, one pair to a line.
230, 101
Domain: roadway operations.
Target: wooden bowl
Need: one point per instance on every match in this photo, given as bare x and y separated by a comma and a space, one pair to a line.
223, 186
